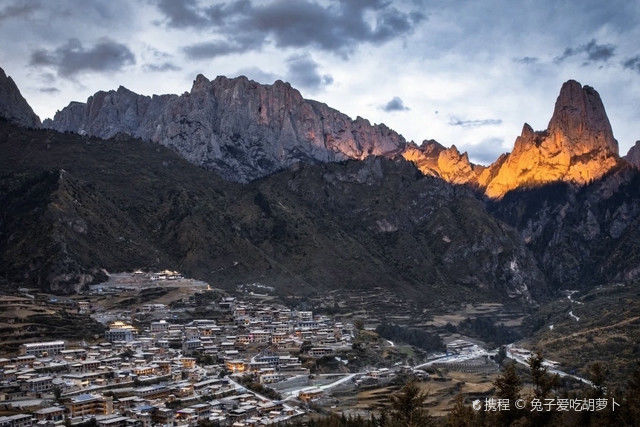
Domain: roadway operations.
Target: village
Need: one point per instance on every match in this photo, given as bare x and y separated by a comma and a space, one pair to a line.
247, 361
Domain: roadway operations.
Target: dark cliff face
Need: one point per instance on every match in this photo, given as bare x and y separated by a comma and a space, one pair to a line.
123, 204
581, 236
241, 129
13, 106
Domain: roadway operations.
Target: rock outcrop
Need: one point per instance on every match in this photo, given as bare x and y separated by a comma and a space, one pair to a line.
13, 106
434, 159
577, 147
633, 155
241, 129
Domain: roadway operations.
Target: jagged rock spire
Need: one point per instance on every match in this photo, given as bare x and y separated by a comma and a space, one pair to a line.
578, 146
13, 106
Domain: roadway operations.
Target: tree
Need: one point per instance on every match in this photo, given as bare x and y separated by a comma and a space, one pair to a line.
407, 407
508, 384
305, 346
631, 404
502, 355
598, 374
542, 381
461, 415
508, 387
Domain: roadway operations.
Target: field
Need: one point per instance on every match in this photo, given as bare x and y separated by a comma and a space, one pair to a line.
441, 388
24, 319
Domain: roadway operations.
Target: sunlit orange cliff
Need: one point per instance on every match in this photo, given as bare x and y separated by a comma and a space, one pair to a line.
578, 147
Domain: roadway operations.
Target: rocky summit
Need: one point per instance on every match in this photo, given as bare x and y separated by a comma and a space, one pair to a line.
577, 147
241, 129
633, 156
432, 158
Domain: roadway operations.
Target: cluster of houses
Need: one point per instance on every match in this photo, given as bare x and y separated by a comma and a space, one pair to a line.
166, 373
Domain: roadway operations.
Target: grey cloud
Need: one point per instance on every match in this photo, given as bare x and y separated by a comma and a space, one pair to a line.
216, 48
182, 13
487, 151
49, 90
593, 51
395, 104
165, 66
19, 9
527, 60
337, 26
455, 121
257, 74
158, 54
47, 78
72, 58
632, 63
303, 72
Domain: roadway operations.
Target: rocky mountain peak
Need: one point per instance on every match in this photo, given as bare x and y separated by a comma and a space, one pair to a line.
527, 131
577, 147
633, 156
245, 130
580, 117
13, 106
240, 128
200, 83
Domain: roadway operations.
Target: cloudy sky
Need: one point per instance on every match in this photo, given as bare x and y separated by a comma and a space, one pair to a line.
462, 72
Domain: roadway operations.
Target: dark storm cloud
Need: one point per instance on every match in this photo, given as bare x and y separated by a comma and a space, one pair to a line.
72, 58
454, 121
303, 72
165, 66
592, 51
394, 104
338, 26
632, 63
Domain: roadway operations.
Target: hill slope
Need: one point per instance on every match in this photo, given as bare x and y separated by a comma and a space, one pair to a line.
73, 205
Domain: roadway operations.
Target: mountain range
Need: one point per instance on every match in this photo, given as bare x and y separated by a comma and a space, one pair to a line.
237, 182
244, 130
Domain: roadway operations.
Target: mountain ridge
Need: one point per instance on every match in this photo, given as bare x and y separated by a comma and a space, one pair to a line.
391, 221
245, 130
241, 129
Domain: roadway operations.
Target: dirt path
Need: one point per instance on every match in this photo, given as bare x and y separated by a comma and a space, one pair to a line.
599, 328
